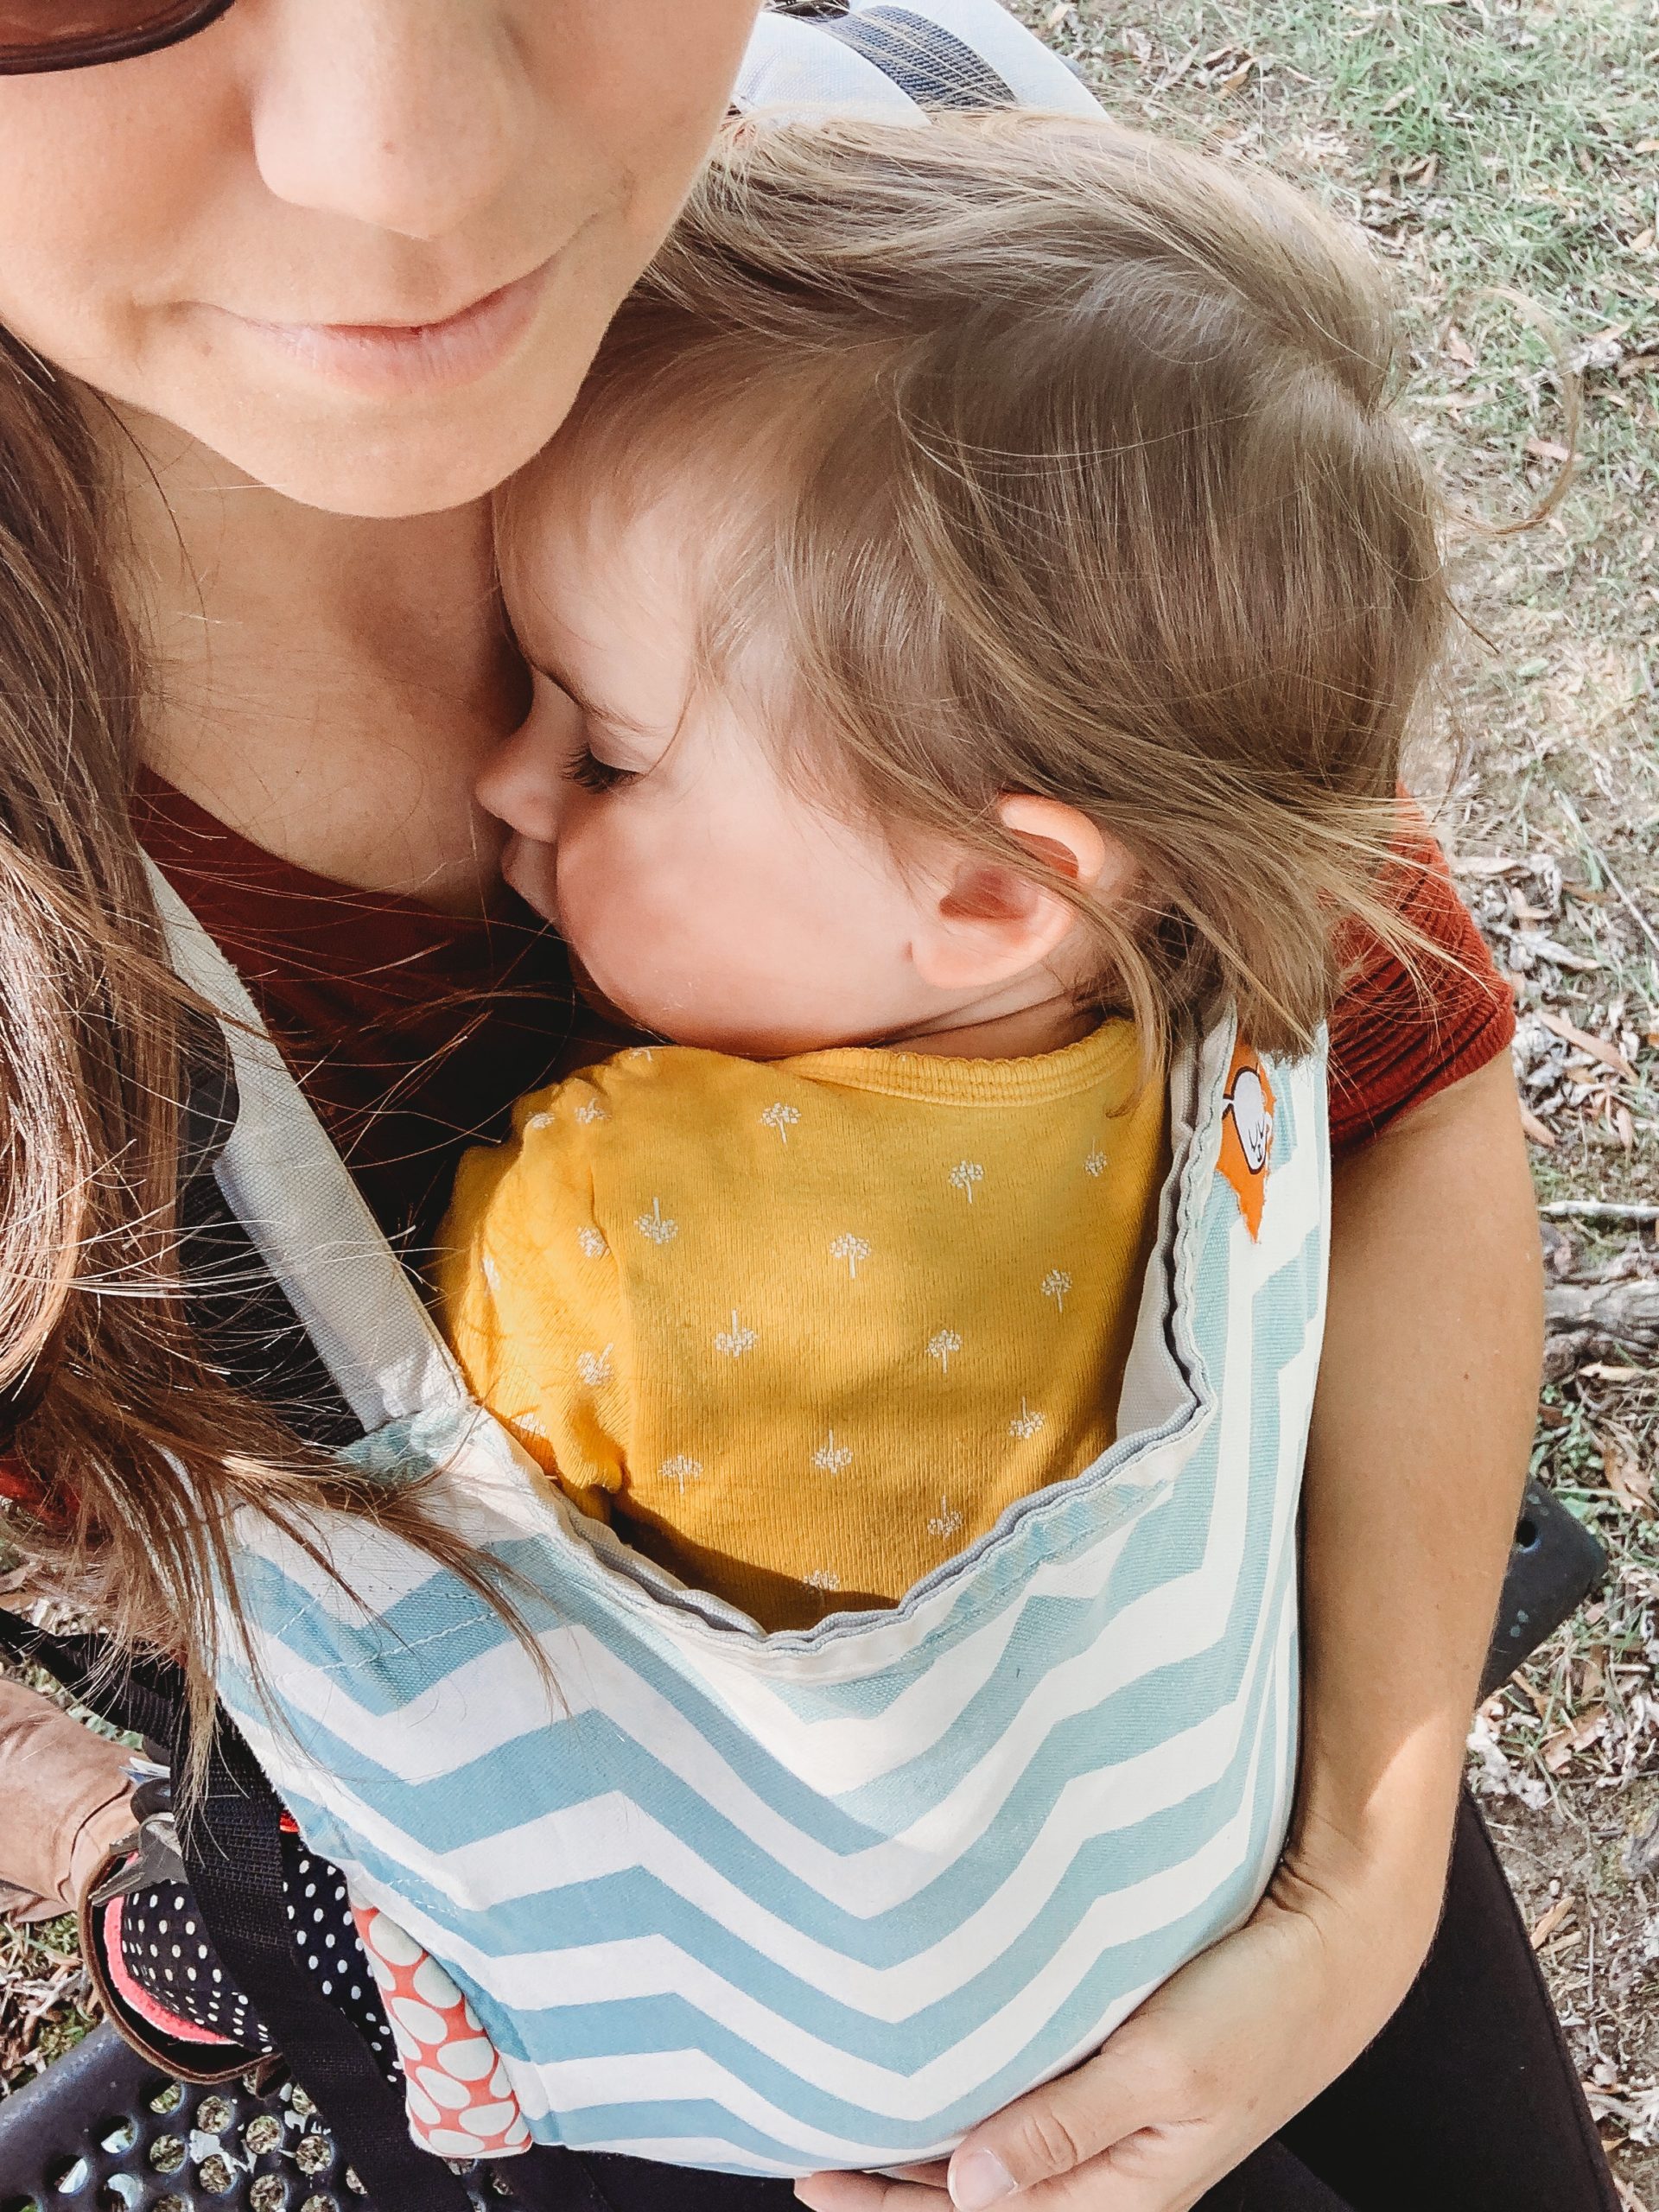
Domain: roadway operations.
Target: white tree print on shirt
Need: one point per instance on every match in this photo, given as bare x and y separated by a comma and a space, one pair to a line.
539, 1122
657, 1226
736, 1340
594, 1368
822, 1579
852, 1249
592, 1243
1096, 1164
780, 1117
1026, 1424
680, 1470
832, 1459
1056, 1283
946, 1521
592, 1110
963, 1176
941, 1347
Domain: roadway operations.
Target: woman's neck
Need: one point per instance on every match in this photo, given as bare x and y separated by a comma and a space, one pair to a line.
325, 686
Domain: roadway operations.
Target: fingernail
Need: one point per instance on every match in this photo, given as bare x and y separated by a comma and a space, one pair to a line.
979, 2178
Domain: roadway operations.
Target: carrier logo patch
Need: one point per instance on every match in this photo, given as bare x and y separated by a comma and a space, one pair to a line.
1247, 1133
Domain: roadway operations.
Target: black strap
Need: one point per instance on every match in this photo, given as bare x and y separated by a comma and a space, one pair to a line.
139, 1695
236, 1305
933, 66
233, 1847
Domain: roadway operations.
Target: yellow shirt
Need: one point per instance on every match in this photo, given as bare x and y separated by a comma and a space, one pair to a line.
801, 1328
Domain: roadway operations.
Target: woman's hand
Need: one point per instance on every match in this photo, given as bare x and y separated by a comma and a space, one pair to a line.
63, 1803
1212, 2065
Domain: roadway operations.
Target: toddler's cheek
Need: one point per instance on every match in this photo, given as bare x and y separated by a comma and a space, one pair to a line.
619, 938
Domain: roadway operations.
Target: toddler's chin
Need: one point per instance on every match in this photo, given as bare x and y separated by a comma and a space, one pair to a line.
702, 1023
600, 1002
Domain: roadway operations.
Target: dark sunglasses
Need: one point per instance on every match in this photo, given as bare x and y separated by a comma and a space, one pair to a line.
36, 36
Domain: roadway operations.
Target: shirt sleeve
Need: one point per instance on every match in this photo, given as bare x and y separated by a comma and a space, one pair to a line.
529, 1299
1397, 1037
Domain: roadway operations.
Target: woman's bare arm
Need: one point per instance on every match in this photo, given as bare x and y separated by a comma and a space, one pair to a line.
1421, 1433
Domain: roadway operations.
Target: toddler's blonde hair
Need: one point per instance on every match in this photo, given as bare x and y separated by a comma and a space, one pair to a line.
1081, 479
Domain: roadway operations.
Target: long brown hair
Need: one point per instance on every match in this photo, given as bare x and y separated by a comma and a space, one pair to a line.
144, 1450
1071, 468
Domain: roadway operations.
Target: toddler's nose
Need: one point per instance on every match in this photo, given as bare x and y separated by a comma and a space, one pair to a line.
522, 787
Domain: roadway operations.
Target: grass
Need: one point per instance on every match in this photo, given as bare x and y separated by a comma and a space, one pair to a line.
1503, 158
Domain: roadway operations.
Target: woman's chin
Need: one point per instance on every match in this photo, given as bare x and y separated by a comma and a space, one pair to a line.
387, 478
384, 461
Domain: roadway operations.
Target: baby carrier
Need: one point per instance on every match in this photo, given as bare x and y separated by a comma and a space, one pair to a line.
826, 1898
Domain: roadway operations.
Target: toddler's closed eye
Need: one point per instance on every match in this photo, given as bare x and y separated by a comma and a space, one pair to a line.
593, 774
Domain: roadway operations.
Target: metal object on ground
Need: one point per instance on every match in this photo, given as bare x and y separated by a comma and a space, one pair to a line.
103, 2131
1555, 1565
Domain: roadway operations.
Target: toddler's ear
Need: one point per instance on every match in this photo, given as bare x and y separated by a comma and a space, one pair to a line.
991, 921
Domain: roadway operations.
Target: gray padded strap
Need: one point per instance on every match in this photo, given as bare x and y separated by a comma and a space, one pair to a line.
892, 60
288, 1187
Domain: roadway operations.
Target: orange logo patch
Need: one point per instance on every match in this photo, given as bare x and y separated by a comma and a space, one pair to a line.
1247, 1133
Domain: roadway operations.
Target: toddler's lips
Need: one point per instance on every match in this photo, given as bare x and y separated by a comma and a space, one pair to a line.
528, 867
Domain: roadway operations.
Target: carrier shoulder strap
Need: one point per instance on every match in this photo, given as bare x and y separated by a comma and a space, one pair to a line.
895, 59
307, 1222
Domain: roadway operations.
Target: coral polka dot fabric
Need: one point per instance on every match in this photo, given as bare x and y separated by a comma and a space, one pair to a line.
459, 2101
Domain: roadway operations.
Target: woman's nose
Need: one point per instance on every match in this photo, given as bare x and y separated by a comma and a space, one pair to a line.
409, 115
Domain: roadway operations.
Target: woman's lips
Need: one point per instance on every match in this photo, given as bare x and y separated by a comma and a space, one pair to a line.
390, 357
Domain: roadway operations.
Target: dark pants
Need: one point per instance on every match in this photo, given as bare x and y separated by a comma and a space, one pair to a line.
1466, 2102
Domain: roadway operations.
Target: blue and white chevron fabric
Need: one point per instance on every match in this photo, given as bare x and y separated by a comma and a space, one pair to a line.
827, 1897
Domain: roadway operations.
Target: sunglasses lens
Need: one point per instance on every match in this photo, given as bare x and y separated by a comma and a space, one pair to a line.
67, 34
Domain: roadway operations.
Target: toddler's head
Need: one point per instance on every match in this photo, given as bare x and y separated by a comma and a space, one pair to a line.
982, 572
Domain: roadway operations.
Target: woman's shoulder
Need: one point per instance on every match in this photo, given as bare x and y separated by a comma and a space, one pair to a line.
1399, 1034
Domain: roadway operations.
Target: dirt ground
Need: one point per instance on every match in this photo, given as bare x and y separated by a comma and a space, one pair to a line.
1501, 155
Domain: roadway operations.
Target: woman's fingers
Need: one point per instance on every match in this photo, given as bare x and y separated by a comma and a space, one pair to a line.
1068, 2124
868, 2193
1035, 2157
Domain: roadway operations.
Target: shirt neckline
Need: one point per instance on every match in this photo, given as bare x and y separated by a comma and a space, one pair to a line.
1110, 1057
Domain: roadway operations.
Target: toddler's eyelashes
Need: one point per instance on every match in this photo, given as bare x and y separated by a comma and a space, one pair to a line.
593, 774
